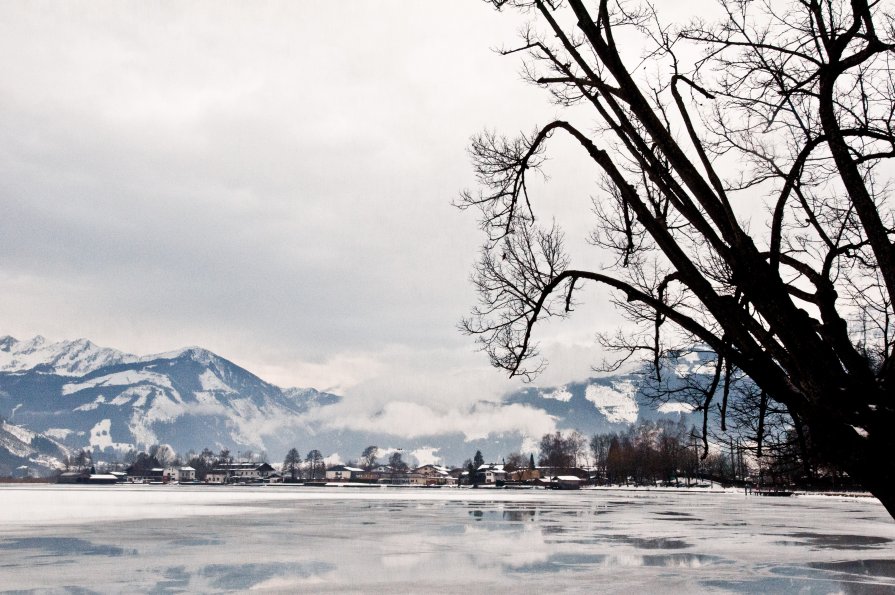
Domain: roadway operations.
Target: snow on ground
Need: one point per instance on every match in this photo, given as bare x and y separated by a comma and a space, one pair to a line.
19, 432
560, 394
100, 400
178, 538
59, 433
67, 358
123, 378
675, 408
617, 402
210, 382
101, 437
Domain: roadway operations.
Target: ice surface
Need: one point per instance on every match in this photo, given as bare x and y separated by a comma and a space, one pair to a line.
208, 539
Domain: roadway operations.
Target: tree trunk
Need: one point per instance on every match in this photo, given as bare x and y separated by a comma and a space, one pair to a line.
868, 460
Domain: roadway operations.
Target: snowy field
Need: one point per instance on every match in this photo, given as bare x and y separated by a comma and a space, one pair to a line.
175, 539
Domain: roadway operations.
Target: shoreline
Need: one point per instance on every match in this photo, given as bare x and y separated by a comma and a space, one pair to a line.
714, 489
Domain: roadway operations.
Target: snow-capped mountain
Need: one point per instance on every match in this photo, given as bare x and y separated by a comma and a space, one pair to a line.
614, 402
86, 396
65, 358
75, 395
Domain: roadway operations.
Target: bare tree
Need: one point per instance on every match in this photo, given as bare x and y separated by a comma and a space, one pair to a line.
164, 453
316, 466
559, 451
599, 450
224, 457
515, 461
790, 104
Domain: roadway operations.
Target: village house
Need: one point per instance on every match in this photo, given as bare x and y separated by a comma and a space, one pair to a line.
153, 475
524, 475
429, 475
342, 473
389, 476
180, 474
243, 472
217, 476
87, 476
373, 475
491, 473
367, 476
120, 476
566, 482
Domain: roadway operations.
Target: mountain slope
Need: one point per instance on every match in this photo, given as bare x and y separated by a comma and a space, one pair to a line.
20, 447
84, 396
612, 403
188, 399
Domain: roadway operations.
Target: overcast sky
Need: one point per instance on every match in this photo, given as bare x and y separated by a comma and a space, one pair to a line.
269, 180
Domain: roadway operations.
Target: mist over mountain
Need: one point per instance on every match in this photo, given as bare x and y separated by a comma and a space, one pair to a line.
74, 394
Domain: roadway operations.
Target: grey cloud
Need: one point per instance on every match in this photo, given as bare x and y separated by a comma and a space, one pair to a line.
269, 180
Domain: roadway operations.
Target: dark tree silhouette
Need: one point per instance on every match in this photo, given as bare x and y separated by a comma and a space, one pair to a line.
515, 461
396, 462
557, 451
369, 457
224, 457
292, 464
83, 460
316, 466
202, 463
478, 460
786, 104
143, 464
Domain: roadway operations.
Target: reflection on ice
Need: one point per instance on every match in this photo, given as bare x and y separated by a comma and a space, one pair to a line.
681, 560
519, 515
807, 586
836, 541
195, 542
652, 543
584, 562
863, 567
560, 562
239, 577
61, 546
405, 540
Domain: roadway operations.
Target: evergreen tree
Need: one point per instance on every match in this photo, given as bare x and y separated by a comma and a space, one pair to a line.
292, 464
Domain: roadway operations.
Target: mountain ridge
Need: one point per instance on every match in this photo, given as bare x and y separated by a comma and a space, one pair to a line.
191, 398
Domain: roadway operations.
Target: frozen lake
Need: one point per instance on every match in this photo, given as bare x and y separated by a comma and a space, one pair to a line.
173, 539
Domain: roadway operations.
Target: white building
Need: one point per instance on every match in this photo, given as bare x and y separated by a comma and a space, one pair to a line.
180, 474
428, 475
342, 473
491, 473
